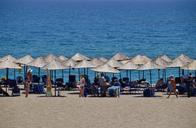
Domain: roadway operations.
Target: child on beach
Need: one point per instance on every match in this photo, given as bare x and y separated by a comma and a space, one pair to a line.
172, 86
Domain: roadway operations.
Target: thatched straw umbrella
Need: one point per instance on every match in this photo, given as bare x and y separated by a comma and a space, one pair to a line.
166, 58
50, 58
24, 61
103, 59
97, 62
79, 57
149, 66
8, 64
63, 58
69, 64
53, 66
140, 60
85, 65
105, 69
39, 63
114, 63
129, 66
9, 58
190, 66
177, 63
184, 58
163, 64
120, 57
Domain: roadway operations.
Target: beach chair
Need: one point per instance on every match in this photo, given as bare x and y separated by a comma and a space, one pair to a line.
3, 93
36, 79
38, 89
16, 91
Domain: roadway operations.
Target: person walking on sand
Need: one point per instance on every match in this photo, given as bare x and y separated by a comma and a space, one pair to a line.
28, 81
82, 84
172, 86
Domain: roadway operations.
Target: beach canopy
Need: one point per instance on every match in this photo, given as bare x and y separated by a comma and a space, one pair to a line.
125, 61
105, 68
70, 63
63, 58
97, 62
50, 58
9, 58
103, 59
9, 64
177, 63
38, 62
79, 57
140, 59
166, 58
120, 57
190, 66
85, 64
149, 65
184, 58
25, 60
161, 62
129, 66
54, 65
114, 63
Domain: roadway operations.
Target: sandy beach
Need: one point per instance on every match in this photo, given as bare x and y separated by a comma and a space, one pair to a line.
38, 111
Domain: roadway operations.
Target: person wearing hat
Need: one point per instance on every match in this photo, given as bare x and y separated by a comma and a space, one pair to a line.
28, 81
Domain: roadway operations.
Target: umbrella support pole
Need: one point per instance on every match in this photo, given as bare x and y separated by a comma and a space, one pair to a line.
182, 71
7, 72
24, 72
127, 73
130, 75
79, 73
14, 74
158, 74
69, 73
150, 77
139, 74
195, 73
143, 74
39, 73
55, 75
179, 72
62, 73
165, 75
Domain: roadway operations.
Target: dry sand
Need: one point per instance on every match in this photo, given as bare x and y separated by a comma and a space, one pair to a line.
128, 111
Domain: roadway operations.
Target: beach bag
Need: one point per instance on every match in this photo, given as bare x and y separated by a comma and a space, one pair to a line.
148, 93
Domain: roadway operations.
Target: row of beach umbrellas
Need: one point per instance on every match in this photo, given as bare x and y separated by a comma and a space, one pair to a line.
113, 65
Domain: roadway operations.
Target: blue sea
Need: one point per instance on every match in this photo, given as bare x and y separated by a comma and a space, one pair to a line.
97, 28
